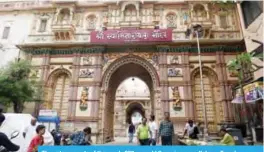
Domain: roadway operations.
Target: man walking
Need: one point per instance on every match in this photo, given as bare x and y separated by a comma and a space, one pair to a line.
154, 130
131, 132
166, 130
143, 132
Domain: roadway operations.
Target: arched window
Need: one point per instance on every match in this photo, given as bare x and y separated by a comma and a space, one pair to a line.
199, 13
64, 16
60, 97
130, 13
91, 22
171, 19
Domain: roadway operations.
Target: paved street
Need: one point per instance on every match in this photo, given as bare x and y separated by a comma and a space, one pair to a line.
121, 141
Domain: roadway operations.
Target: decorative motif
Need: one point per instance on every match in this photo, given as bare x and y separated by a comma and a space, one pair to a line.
237, 48
84, 99
174, 72
171, 20
91, 22
177, 106
130, 59
87, 60
86, 73
42, 51
174, 59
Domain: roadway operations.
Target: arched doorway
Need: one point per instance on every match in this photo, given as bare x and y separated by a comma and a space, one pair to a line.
117, 72
214, 108
134, 113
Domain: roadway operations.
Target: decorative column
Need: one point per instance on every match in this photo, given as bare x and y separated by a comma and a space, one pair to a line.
43, 76
187, 88
221, 79
74, 86
163, 75
97, 80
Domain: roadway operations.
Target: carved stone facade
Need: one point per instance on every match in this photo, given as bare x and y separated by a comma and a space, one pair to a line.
69, 64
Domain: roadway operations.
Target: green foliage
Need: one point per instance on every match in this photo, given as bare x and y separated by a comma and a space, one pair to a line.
244, 62
15, 86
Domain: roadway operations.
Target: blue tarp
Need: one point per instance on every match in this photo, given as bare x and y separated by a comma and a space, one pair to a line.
49, 119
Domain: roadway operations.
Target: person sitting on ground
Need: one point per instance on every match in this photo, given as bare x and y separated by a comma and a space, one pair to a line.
191, 130
88, 135
5, 142
227, 138
82, 137
38, 140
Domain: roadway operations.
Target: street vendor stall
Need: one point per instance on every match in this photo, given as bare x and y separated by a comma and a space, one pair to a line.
194, 142
254, 101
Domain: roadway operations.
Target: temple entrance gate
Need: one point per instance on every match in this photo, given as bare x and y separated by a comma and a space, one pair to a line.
117, 72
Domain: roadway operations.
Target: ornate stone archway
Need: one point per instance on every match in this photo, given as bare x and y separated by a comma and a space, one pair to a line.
105, 92
64, 76
214, 108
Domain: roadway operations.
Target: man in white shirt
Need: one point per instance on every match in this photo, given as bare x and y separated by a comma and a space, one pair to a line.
190, 130
153, 130
30, 132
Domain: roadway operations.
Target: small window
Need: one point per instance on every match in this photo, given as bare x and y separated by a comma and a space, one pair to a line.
43, 25
223, 21
6, 33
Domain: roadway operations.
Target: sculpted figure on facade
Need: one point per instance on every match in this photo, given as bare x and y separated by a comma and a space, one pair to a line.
86, 73
84, 98
176, 99
174, 60
87, 60
174, 72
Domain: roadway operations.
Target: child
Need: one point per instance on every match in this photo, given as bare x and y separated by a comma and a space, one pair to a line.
38, 140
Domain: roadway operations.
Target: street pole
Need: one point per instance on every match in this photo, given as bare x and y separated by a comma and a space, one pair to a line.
205, 135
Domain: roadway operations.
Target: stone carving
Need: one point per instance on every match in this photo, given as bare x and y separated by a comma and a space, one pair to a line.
87, 60
84, 98
86, 73
171, 20
155, 59
174, 60
91, 22
176, 99
77, 19
174, 72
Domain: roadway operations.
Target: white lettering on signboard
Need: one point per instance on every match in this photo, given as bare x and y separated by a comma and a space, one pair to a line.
52, 113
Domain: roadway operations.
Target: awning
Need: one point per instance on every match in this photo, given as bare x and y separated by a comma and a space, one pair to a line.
49, 119
253, 92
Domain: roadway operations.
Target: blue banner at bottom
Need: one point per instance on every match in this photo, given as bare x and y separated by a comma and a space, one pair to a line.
150, 149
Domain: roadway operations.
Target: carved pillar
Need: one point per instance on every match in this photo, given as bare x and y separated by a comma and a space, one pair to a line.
207, 11
43, 77
163, 74
97, 79
71, 15
74, 86
228, 95
187, 88
221, 80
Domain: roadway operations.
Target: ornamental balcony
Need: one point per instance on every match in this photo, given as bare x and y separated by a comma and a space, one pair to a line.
63, 27
63, 31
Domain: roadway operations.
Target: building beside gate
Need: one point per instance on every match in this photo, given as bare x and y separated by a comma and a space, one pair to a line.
83, 51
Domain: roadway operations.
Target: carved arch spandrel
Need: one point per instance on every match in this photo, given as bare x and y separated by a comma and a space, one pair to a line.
206, 70
125, 60
54, 74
